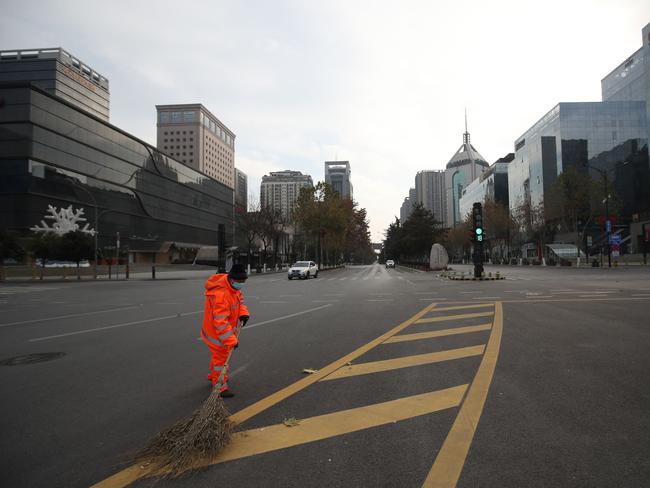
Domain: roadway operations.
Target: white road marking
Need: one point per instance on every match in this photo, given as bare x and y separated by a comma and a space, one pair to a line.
432, 299
248, 327
274, 301
96, 329
486, 298
67, 316
641, 294
380, 300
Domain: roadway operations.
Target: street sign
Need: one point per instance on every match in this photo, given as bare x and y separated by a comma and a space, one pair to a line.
615, 239
589, 241
608, 225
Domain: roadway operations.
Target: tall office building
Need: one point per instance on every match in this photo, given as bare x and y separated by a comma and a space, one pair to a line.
241, 190
463, 168
59, 73
407, 206
192, 135
280, 189
630, 81
337, 174
430, 192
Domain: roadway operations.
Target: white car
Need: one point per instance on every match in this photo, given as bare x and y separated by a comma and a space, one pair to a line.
303, 270
390, 263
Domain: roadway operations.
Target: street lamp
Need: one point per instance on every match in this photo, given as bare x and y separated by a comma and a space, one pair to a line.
608, 224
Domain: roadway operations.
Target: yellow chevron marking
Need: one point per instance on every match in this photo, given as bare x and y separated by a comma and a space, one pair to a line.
404, 362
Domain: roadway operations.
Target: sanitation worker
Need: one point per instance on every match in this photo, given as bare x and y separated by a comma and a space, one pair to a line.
224, 307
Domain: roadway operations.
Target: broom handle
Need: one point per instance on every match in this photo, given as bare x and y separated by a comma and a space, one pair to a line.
222, 375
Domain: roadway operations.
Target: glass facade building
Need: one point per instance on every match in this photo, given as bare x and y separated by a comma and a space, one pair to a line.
606, 136
490, 186
631, 79
52, 153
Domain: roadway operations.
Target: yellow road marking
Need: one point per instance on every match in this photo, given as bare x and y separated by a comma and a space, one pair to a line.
460, 307
133, 473
451, 457
405, 362
278, 396
438, 333
274, 437
453, 317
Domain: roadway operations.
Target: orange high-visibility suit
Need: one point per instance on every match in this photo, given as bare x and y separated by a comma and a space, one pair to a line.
223, 307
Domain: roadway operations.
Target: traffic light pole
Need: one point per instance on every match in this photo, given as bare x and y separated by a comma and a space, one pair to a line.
477, 238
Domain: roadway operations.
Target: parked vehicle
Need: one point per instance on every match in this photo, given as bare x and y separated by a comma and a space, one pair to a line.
390, 263
303, 270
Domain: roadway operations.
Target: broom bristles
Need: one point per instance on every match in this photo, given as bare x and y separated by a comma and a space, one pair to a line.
190, 441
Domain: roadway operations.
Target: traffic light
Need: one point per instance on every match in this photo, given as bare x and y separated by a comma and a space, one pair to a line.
477, 216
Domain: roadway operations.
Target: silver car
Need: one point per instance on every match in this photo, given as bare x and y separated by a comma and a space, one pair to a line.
303, 270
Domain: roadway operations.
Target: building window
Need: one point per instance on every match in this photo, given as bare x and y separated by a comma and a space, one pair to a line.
177, 117
189, 117
163, 118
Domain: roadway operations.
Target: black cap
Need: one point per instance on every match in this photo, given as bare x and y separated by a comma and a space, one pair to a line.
238, 272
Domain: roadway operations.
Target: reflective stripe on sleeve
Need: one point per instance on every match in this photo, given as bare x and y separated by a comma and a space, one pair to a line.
215, 317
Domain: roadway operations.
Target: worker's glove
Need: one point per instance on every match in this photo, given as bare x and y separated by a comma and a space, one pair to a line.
244, 319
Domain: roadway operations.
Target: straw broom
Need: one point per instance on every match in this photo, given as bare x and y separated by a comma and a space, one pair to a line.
202, 435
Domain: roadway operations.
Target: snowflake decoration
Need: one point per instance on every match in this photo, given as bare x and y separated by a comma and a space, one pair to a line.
65, 220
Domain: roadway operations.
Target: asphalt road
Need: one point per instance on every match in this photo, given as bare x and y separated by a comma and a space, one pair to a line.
538, 380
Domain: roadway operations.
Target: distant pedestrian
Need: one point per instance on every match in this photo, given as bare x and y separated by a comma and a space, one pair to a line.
224, 306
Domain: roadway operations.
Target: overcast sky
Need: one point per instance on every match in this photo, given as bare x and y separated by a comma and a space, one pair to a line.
381, 84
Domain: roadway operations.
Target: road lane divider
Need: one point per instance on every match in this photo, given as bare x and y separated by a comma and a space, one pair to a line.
271, 438
405, 362
116, 326
69, 316
450, 460
444, 318
438, 333
252, 326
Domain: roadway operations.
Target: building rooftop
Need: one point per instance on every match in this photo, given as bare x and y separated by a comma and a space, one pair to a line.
27, 55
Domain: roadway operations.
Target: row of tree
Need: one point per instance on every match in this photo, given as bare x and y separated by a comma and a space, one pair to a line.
322, 227
75, 246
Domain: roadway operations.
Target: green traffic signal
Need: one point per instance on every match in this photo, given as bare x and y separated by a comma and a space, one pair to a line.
479, 231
